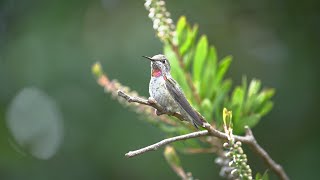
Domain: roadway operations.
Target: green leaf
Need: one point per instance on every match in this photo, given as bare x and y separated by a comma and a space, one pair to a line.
222, 69
265, 95
252, 104
222, 92
250, 121
187, 44
226, 85
219, 98
258, 176
236, 102
209, 73
265, 176
186, 35
189, 53
237, 96
266, 108
206, 109
246, 101
254, 87
181, 29
199, 58
244, 84
218, 77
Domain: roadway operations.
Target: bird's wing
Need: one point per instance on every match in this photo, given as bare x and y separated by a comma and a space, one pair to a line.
180, 98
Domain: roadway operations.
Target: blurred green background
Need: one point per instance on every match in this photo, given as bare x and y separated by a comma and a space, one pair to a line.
51, 45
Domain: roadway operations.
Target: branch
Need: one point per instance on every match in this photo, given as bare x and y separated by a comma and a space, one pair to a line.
248, 139
150, 102
277, 168
155, 146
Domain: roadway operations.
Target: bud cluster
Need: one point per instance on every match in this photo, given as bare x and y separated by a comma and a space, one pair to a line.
234, 161
225, 170
237, 161
160, 17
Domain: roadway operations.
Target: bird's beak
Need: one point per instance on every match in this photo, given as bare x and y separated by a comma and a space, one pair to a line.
148, 58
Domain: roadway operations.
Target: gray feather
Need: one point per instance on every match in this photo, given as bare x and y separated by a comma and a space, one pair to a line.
180, 98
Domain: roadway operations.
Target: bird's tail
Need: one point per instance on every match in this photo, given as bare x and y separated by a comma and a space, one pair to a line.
198, 121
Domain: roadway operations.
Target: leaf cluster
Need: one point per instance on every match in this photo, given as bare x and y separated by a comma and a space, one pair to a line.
248, 102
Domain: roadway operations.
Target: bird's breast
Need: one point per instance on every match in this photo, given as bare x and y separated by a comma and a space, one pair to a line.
158, 90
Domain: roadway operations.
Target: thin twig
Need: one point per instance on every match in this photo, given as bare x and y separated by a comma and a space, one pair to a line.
248, 139
155, 146
277, 168
150, 102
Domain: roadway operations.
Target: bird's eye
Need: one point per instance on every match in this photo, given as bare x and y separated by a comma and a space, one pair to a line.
163, 61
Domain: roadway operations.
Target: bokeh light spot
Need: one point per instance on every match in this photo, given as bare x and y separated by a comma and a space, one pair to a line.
35, 123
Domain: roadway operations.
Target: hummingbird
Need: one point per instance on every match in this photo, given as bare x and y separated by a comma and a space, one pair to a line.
167, 92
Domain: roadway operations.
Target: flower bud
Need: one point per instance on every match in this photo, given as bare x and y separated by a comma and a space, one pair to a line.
239, 143
151, 15
234, 171
171, 156
147, 4
240, 150
226, 145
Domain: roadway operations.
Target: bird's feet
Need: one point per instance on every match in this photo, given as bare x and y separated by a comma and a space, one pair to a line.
158, 113
151, 100
164, 110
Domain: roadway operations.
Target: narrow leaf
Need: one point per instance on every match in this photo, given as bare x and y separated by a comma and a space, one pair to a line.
254, 87
236, 102
189, 54
200, 57
189, 40
265, 95
206, 109
250, 121
209, 73
223, 67
237, 96
181, 29
266, 108
265, 176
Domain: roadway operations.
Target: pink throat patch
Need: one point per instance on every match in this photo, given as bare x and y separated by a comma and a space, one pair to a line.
156, 72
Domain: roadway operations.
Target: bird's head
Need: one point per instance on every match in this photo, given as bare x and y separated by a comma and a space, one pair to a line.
159, 65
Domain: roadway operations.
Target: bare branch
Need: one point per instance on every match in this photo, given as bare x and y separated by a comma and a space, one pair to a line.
248, 139
277, 168
155, 146
150, 102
